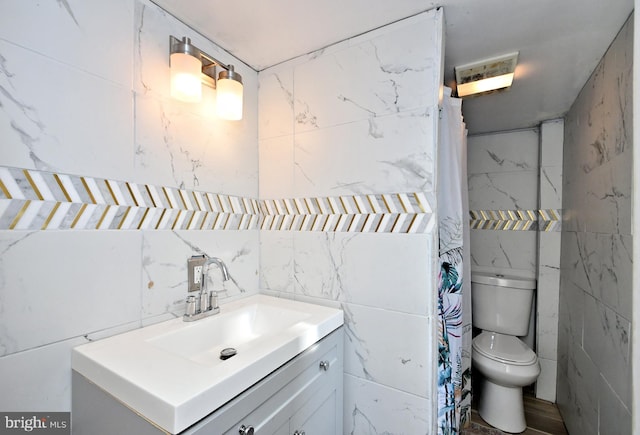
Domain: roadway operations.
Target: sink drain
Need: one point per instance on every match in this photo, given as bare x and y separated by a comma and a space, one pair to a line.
227, 353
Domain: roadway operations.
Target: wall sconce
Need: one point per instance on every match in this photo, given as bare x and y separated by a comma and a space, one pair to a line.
486, 75
192, 67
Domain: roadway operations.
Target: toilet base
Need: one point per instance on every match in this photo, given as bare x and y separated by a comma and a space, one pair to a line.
502, 407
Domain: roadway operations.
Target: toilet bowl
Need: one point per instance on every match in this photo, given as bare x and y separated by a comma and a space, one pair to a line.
506, 365
501, 307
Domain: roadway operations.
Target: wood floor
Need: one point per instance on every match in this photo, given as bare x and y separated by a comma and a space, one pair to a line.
542, 418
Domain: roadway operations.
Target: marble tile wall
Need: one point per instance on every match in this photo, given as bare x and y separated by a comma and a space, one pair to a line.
594, 364
548, 273
84, 91
503, 175
342, 121
522, 170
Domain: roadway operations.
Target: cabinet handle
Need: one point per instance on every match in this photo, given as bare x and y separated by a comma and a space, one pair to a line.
299, 433
324, 365
244, 430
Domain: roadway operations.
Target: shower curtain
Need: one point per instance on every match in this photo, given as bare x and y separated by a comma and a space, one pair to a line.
454, 279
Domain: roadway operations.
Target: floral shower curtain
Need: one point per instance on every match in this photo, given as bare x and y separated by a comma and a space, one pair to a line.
454, 279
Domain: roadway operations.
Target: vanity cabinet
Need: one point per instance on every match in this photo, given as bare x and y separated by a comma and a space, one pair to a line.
304, 396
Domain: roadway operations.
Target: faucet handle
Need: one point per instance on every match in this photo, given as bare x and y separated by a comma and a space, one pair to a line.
204, 301
191, 306
214, 300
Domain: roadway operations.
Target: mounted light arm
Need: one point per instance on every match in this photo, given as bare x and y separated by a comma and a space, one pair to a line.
190, 67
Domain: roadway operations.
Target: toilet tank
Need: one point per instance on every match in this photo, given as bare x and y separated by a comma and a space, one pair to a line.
501, 303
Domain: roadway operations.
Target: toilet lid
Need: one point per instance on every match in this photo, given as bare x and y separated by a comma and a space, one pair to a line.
505, 348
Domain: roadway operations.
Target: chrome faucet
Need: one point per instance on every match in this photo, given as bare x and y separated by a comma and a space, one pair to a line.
220, 264
206, 304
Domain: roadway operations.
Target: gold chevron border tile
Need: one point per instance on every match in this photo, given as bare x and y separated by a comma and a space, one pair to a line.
39, 200
516, 220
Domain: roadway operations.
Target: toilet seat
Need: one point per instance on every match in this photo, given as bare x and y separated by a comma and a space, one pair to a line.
504, 348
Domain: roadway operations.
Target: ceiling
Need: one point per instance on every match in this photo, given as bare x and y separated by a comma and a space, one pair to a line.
560, 42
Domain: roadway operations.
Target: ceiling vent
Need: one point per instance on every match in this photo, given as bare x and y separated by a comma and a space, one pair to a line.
485, 76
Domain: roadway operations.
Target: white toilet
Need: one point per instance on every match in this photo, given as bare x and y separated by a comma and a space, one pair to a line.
501, 308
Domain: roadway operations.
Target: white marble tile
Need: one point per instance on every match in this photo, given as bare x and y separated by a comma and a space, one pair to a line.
547, 321
276, 168
546, 382
617, 92
615, 417
547, 306
277, 261
551, 143
152, 27
66, 120
549, 251
597, 162
275, 101
374, 352
616, 263
581, 261
570, 317
38, 379
606, 341
504, 191
606, 205
601, 266
73, 283
394, 72
164, 275
547, 335
370, 408
586, 148
514, 151
551, 187
504, 249
183, 149
547, 294
390, 271
96, 37
578, 393
386, 154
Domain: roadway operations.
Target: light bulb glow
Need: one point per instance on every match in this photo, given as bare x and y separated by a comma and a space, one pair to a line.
485, 85
229, 99
185, 78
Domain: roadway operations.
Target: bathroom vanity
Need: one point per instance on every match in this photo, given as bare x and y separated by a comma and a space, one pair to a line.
286, 377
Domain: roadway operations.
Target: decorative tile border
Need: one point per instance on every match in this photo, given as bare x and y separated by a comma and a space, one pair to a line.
516, 220
386, 213
550, 220
38, 200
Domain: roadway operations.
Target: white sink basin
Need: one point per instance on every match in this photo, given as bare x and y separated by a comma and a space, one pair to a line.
171, 372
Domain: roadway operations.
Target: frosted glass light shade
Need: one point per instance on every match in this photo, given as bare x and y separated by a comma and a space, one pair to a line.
229, 99
185, 78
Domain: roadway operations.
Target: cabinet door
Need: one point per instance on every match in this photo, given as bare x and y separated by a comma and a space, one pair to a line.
283, 430
318, 416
